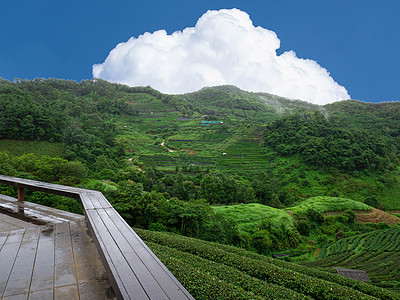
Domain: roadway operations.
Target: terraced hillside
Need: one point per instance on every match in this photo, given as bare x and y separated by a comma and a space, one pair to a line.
40, 148
161, 136
246, 154
163, 160
214, 271
377, 253
135, 128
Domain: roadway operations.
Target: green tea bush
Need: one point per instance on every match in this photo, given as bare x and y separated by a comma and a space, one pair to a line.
307, 281
227, 274
202, 285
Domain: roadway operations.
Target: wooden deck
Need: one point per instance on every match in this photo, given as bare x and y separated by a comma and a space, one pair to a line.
132, 268
55, 260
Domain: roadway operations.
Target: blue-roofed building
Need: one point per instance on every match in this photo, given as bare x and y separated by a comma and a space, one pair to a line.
209, 123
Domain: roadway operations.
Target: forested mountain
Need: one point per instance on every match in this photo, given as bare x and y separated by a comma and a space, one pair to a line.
220, 164
324, 142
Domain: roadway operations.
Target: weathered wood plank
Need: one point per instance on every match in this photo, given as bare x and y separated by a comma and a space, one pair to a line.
110, 268
103, 200
127, 285
95, 201
42, 295
8, 223
93, 290
43, 273
41, 186
172, 287
138, 268
7, 256
69, 292
3, 238
86, 201
85, 254
63, 255
16, 297
21, 274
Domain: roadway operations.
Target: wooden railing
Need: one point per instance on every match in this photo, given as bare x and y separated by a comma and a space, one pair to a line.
133, 269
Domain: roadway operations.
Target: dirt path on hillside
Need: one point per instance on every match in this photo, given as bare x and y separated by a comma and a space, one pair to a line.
191, 152
163, 144
376, 216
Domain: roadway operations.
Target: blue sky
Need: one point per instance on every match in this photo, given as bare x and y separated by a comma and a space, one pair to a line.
356, 41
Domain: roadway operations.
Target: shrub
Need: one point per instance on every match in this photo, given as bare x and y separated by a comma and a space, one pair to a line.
307, 281
261, 241
303, 227
340, 235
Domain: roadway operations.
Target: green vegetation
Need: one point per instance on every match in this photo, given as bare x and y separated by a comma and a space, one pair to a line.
377, 253
323, 142
250, 216
46, 168
39, 148
263, 228
95, 184
199, 265
324, 204
247, 169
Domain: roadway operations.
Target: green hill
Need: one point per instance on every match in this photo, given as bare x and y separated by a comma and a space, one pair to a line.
326, 204
249, 216
269, 166
377, 253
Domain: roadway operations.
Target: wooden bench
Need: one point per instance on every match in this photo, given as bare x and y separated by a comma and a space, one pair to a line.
133, 269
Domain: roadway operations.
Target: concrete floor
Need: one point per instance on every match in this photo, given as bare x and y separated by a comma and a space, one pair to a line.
48, 254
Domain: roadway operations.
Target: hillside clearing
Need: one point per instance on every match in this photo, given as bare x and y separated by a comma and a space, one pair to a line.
376, 216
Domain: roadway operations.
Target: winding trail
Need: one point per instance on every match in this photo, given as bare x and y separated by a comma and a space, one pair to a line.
163, 144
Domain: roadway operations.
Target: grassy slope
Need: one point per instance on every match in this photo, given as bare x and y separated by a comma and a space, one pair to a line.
248, 216
377, 253
240, 140
324, 204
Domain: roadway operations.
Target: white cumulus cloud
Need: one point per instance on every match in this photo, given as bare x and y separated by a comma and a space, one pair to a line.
224, 47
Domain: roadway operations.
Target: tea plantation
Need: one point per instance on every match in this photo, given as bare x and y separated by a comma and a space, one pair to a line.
213, 271
254, 170
377, 253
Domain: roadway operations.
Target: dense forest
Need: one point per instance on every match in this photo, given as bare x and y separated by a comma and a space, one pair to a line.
164, 168
324, 142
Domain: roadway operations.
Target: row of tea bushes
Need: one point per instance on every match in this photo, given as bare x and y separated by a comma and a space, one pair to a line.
222, 273
270, 270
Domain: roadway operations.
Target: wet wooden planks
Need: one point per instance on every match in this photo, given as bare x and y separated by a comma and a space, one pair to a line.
8, 223
138, 273
133, 269
51, 262
18, 211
